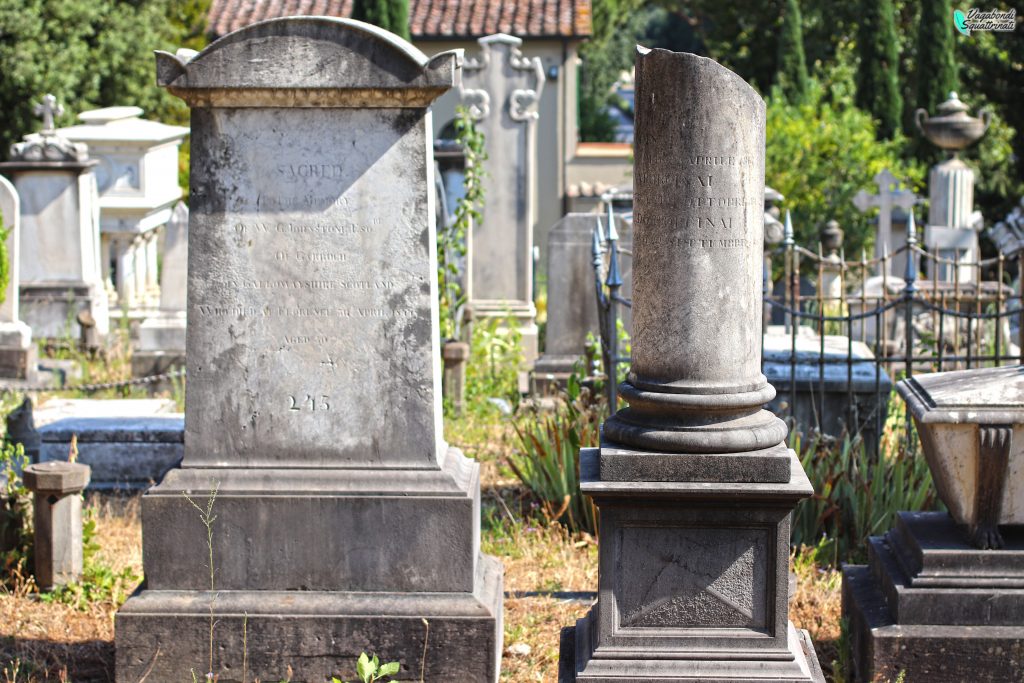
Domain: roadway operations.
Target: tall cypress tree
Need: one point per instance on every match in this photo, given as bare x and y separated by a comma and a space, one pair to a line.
392, 15
936, 64
792, 73
878, 89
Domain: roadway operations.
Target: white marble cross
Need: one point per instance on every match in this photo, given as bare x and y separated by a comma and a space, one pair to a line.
890, 195
48, 109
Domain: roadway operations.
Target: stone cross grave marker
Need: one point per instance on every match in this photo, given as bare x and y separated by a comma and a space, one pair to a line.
344, 522
890, 196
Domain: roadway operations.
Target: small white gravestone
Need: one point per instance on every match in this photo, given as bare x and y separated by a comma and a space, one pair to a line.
17, 354
60, 274
161, 344
137, 177
891, 195
502, 89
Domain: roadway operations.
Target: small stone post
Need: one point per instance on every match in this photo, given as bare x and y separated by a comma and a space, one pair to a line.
694, 481
455, 354
58, 520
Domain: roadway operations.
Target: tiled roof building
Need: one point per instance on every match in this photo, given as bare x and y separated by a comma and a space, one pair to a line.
428, 19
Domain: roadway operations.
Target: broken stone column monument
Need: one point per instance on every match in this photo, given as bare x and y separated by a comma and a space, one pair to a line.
502, 89
694, 481
344, 522
942, 596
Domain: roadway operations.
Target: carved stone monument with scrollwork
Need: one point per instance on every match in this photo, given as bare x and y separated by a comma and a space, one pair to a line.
502, 87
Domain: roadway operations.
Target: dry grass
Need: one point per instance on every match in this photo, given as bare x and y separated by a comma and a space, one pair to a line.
57, 642
49, 641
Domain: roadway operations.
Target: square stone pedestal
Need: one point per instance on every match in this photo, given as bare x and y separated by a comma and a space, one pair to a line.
930, 604
313, 567
693, 583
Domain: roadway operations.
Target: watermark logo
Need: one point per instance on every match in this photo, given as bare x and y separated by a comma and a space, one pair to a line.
984, 20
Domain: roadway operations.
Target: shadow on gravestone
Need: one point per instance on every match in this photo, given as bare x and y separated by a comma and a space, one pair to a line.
344, 522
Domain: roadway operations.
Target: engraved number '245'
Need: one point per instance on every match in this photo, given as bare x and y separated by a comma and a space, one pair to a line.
311, 403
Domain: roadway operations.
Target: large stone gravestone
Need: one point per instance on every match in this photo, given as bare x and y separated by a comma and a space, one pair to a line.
572, 294
344, 523
502, 88
17, 352
694, 481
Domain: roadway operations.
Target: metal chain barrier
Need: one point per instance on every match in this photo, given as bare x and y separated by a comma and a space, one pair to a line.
97, 386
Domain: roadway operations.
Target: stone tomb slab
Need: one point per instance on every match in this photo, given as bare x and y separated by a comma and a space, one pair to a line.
129, 443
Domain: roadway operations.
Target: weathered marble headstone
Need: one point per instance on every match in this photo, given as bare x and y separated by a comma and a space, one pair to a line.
59, 269
694, 481
572, 298
344, 521
17, 352
502, 88
942, 596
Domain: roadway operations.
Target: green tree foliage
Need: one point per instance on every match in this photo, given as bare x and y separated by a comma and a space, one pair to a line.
792, 76
992, 76
89, 53
392, 15
878, 85
819, 154
936, 62
616, 25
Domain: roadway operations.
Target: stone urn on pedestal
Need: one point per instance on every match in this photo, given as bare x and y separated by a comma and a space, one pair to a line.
942, 596
951, 185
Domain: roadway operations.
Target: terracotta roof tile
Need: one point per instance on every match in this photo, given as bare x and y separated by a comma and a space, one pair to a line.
427, 18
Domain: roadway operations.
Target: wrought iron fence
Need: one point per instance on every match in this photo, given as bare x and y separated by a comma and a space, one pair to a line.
840, 340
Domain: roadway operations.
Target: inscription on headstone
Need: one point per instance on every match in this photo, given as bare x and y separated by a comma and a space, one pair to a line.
307, 290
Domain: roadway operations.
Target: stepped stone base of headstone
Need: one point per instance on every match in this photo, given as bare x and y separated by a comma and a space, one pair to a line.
129, 444
51, 308
931, 604
354, 557
149, 363
551, 372
801, 664
525, 317
19, 357
317, 634
162, 331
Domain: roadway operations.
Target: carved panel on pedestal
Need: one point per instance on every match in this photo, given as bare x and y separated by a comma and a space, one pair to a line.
680, 577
